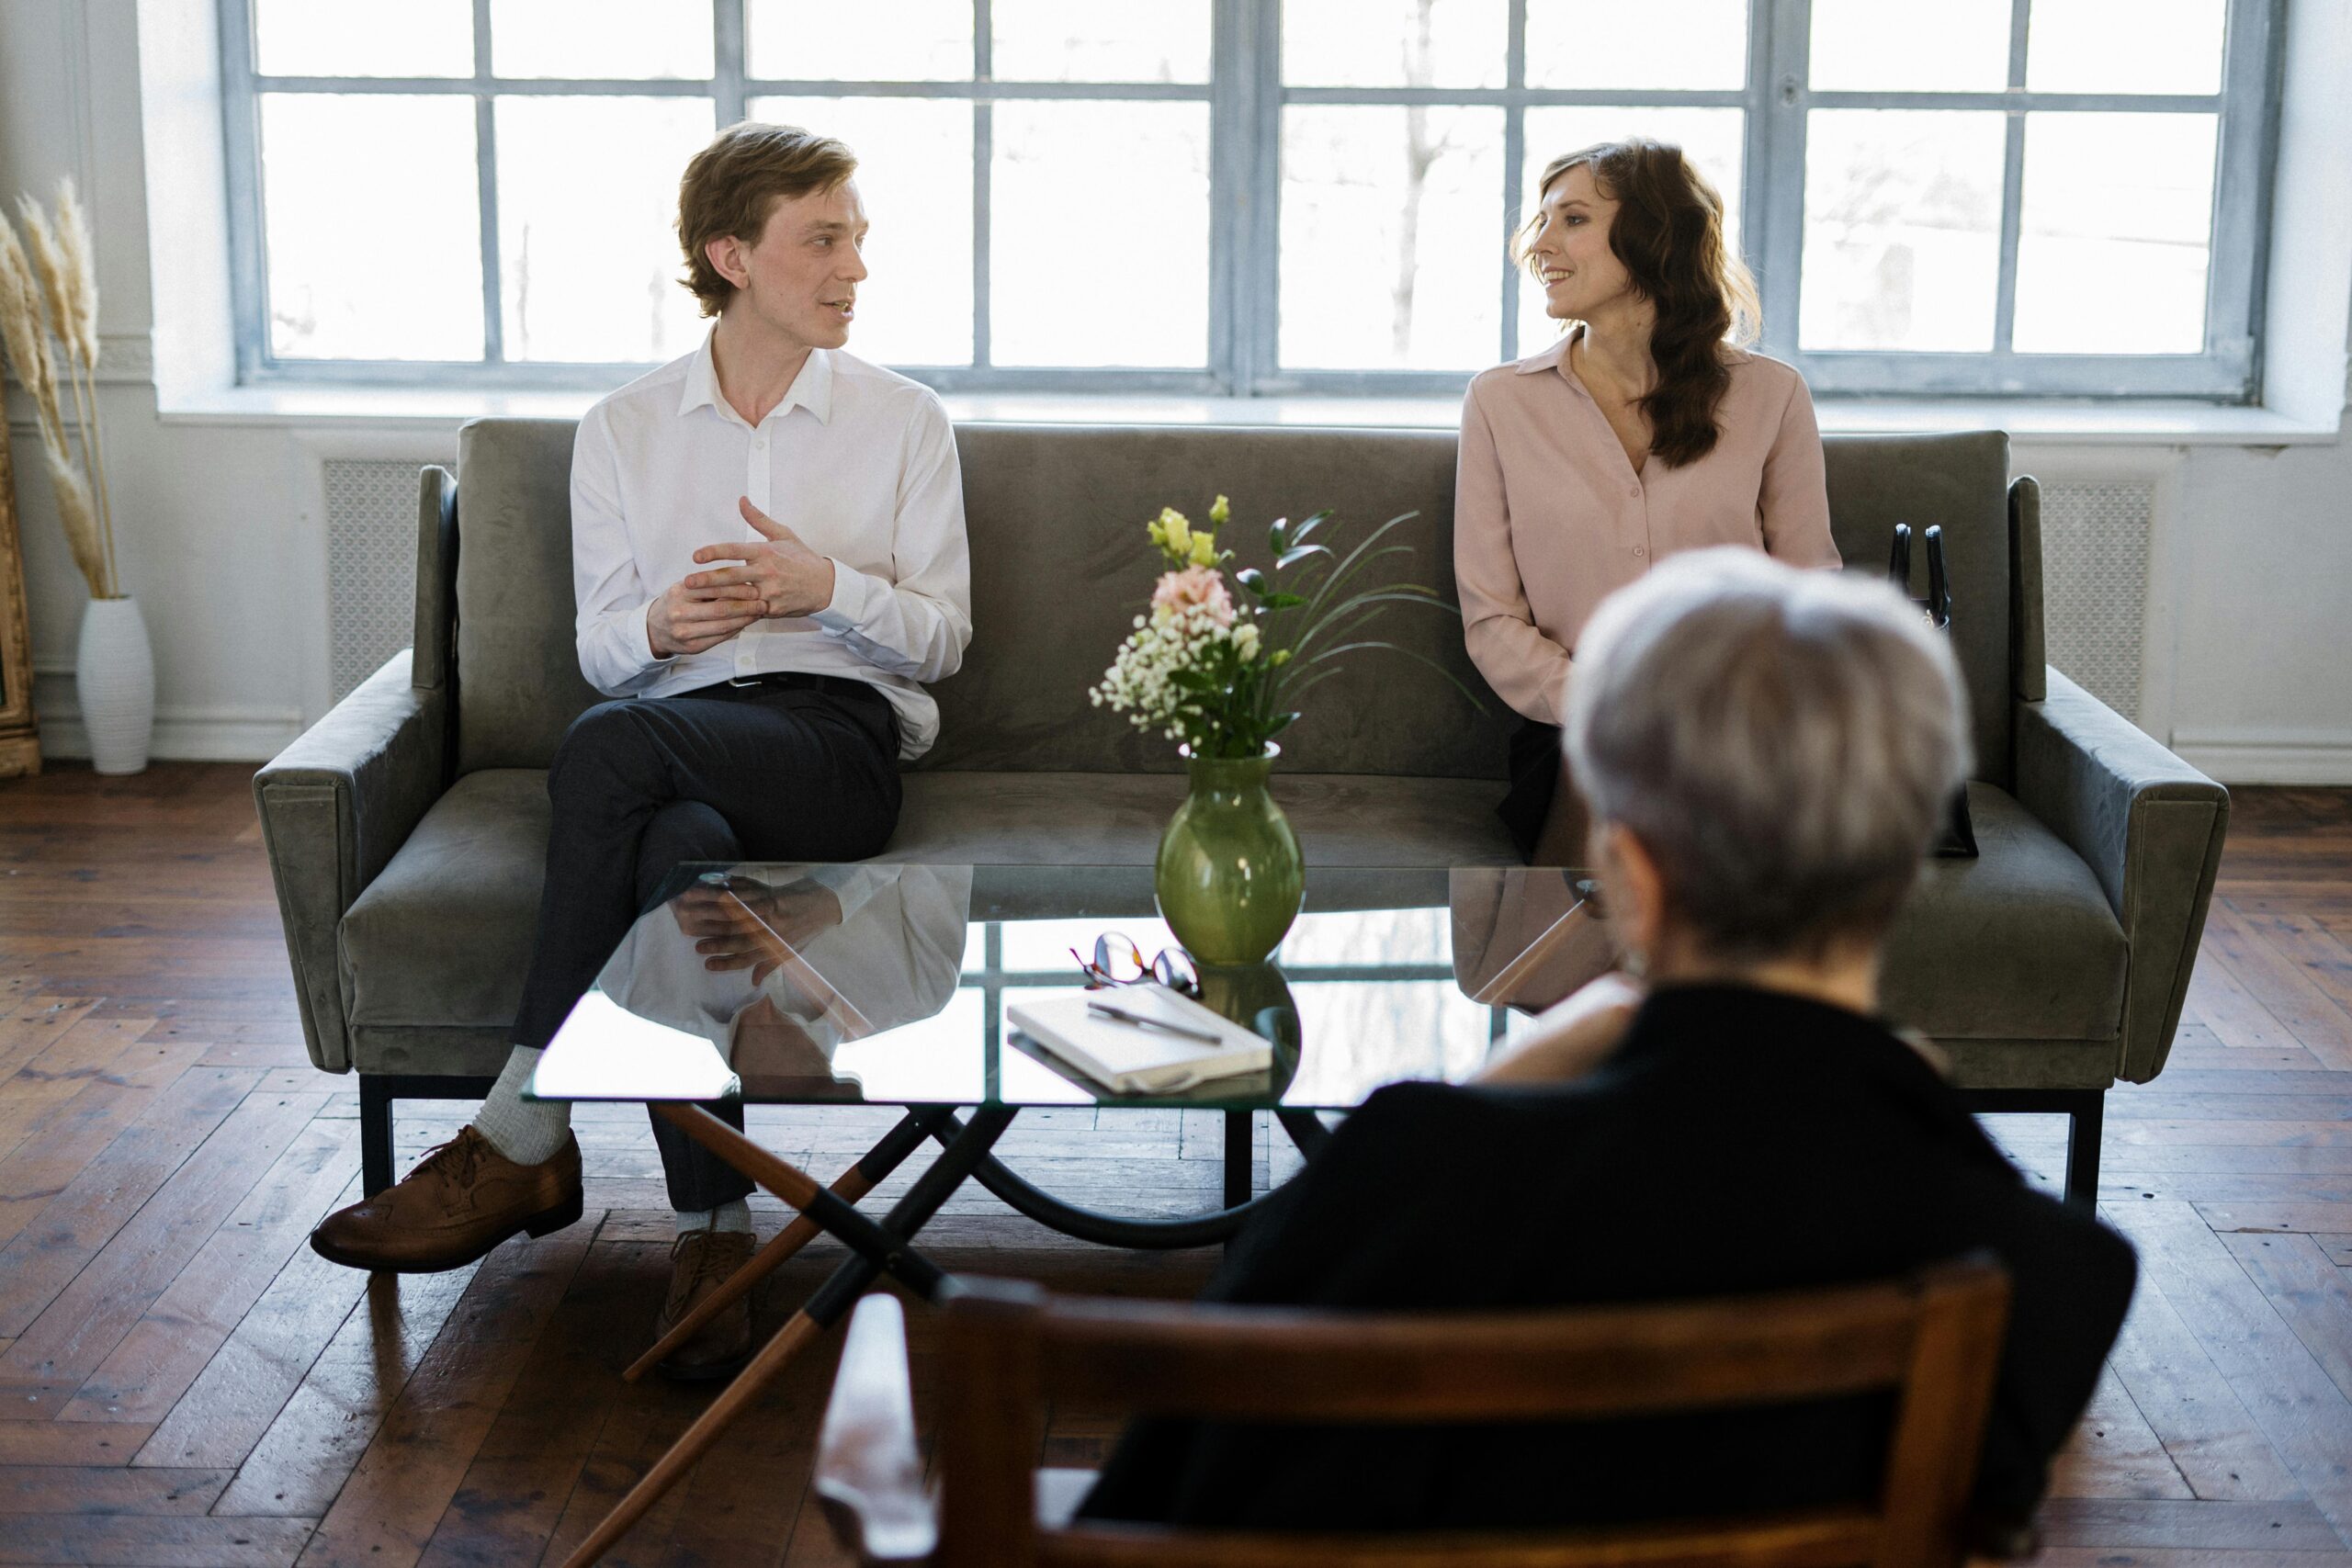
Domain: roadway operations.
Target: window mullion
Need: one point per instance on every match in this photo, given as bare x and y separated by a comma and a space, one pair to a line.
1776, 144
493, 293
1258, 253
2005, 306
1514, 168
241, 136
727, 92
983, 160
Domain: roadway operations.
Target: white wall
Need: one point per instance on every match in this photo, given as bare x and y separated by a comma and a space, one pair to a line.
2250, 648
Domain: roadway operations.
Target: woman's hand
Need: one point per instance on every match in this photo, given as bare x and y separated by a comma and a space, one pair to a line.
1572, 1037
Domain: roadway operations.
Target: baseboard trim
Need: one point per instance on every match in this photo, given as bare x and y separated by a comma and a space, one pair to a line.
2238, 756
182, 733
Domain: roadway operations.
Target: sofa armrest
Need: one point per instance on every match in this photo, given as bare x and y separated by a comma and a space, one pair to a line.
2149, 826
334, 805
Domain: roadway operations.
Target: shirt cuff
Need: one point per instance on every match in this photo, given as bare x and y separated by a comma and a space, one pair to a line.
851, 589
644, 650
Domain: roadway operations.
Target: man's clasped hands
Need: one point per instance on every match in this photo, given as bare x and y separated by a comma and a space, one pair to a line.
777, 575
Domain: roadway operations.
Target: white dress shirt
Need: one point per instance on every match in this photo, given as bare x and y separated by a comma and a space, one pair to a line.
858, 461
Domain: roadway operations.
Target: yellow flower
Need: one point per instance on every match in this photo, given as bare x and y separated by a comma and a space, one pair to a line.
1219, 511
1175, 534
1203, 551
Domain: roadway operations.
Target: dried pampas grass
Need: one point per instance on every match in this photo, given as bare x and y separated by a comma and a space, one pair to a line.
56, 291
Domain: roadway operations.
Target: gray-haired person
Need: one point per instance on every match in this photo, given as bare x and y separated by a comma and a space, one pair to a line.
1767, 753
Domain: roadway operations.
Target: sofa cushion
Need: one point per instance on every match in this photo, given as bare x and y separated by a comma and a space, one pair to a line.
2017, 944
442, 937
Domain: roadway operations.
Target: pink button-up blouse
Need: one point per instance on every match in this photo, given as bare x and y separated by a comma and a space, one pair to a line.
1549, 518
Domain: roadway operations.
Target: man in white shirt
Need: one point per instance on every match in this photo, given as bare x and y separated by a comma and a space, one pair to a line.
769, 562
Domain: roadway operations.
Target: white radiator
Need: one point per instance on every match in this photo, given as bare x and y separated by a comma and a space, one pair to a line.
371, 565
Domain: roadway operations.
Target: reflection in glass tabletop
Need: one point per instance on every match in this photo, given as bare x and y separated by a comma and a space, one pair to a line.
887, 984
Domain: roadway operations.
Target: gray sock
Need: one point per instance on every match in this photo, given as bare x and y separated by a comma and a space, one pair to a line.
735, 1217
527, 1132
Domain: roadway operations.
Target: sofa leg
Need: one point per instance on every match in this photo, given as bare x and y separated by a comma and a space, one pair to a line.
2086, 1121
374, 1134
2086, 1113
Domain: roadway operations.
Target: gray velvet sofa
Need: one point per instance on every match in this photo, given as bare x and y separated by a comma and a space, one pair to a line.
406, 828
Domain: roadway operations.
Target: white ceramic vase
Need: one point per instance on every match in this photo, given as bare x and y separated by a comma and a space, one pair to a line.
113, 679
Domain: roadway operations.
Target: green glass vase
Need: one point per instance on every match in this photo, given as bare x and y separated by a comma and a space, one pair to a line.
1229, 876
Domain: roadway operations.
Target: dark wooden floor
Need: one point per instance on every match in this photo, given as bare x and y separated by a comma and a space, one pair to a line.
181, 1382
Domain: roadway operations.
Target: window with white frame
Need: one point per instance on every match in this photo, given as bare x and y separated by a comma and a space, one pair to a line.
1258, 197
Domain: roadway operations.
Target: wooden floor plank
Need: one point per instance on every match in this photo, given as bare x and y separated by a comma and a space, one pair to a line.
249, 1379
45, 1083
84, 1489
2196, 1525
2307, 1418
134, 1542
514, 1491
310, 1448
66, 1442
2319, 1024
53, 1155
2115, 1453
165, 1352
90, 1316
388, 1509
2307, 1291
42, 1259
2205, 1430
2220, 1001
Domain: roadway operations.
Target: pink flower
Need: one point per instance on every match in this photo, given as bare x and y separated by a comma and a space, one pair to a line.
1195, 585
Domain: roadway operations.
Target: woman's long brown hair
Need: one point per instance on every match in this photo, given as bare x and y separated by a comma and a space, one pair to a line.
1668, 233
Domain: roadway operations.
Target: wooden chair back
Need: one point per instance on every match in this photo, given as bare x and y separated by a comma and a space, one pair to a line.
1012, 1351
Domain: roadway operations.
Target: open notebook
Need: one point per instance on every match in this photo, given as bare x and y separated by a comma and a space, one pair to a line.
1133, 1059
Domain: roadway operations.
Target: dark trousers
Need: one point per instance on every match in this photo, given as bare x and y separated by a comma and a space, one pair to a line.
797, 773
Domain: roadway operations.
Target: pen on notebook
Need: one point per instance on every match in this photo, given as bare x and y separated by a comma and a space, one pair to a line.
1104, 1010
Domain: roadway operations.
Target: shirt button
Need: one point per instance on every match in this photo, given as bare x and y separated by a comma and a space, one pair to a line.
1635, 492
1639, 551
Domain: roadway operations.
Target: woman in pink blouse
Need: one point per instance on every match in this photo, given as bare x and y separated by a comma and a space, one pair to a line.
1641, 432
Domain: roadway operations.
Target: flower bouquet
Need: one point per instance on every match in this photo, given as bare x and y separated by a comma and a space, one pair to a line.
1223, 671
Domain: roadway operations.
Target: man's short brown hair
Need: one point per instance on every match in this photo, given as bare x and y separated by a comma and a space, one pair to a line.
731, 186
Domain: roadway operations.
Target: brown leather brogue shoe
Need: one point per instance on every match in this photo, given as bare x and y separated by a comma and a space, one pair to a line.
463, 1198
701, 1261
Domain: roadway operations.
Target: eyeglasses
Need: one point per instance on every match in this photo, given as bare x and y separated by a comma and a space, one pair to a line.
1119, 962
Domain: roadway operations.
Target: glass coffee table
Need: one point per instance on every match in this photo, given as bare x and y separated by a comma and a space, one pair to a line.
888, 985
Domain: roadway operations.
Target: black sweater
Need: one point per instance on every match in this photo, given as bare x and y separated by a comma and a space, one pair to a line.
1739, 1141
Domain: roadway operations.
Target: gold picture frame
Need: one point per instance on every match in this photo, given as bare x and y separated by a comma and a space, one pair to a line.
19, 730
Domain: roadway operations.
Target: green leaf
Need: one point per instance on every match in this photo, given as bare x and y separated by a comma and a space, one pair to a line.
1282, 601
1297, 553
1253, 580
1309, 527
1275, 540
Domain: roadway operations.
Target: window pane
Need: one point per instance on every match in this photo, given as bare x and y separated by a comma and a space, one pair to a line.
1085, 40
601, 38
1394, 43
418, 38
372, 227
875, 40
2114, 233
2125, 46
914, 174
1099, 235
1392, 255
1869, 46
1711, 139
587, 236
1680, 44
1901, 230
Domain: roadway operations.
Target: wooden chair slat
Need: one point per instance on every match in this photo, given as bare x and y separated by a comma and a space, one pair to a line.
1311, 1366
1823, 1539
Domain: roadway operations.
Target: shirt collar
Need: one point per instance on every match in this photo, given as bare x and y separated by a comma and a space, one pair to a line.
1555, 357
811, 390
